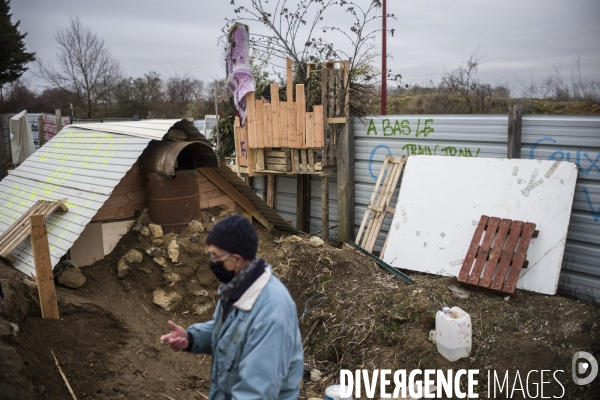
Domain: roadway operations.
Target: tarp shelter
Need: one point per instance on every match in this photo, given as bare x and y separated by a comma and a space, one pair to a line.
21, 140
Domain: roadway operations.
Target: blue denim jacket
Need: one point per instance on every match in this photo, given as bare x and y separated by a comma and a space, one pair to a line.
257, 351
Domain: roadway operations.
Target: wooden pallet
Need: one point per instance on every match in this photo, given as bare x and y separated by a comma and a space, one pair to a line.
379, 205
21, 229
494, 264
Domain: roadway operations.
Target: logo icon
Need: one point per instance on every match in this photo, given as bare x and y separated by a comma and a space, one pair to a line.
584, 364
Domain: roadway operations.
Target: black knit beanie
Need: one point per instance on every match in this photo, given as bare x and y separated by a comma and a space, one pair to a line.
236, 235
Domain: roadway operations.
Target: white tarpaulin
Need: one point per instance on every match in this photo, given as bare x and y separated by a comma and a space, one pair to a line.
21, 139
442, 199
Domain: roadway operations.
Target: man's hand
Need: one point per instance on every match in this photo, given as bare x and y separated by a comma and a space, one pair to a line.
177, 339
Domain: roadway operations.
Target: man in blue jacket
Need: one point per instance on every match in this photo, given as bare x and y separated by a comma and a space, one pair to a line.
253, 336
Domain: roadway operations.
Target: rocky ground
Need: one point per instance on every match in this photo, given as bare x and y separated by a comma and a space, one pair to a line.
107, 340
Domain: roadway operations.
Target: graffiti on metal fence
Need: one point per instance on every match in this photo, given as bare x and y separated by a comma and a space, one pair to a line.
586, 162
421, 129
401, 128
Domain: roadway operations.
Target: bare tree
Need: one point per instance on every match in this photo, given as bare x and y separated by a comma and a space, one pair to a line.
464, 82
85, 67
293, 31
182, 91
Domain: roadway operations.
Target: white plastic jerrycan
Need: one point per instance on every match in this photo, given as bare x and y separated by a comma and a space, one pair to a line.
453, 333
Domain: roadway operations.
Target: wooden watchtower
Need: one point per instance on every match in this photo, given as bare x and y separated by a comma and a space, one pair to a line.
282, 137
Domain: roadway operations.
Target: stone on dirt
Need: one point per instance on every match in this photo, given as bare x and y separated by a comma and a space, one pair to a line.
172, 277
158, 242
71, 278
155, 230
167, 301
134, 256
173, 250
196, 226
161, 261
316, 242
145, 231
123, 268
295, 238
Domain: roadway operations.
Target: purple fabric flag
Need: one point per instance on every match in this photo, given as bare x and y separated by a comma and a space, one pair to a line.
239, 76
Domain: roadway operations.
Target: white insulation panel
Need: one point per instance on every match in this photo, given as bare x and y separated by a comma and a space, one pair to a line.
442, 199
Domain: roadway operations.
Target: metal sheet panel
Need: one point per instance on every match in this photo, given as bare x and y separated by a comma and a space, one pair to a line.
80, 165
398, 135
577, 139
150, 129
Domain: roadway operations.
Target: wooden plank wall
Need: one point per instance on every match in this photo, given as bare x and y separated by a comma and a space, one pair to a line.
128, 196
280, 124
212, 196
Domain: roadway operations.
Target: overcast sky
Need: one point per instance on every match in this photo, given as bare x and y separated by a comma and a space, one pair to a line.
517, 37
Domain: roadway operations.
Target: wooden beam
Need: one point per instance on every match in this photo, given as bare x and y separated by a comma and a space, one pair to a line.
259, 115
235, 195
268, 125
515, 123
300, 116
346, 67
291, 126
325, 207
318, 132
290, 82
58, 120
275, 129
283, 128
251, 120
345, 175
272, 181
338, 120
43, 267
303, 203
260, 159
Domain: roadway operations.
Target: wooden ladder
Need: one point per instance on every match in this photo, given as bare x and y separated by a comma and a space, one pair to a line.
379, 204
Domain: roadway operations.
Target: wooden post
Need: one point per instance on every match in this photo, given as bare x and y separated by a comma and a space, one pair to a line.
43, 267
58, 120
325, 207
271, 191
41, 138
345, 175
515, 123
303, 203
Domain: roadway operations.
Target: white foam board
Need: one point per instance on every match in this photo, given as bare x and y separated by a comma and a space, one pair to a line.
442, 199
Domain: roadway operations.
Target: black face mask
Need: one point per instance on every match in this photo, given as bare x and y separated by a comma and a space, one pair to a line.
220, 272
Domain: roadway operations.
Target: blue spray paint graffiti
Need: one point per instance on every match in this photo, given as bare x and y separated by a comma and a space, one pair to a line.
372, 157
584, 168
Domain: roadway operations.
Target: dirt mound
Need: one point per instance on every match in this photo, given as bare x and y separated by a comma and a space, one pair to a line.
107, 341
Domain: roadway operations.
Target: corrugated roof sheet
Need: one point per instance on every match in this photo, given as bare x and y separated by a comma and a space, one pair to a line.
78, 164
259, 203
150, 129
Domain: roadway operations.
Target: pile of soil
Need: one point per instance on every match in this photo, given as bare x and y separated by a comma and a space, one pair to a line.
107, 340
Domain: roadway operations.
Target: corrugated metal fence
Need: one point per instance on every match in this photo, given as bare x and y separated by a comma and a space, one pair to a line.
576, 139
573, 138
